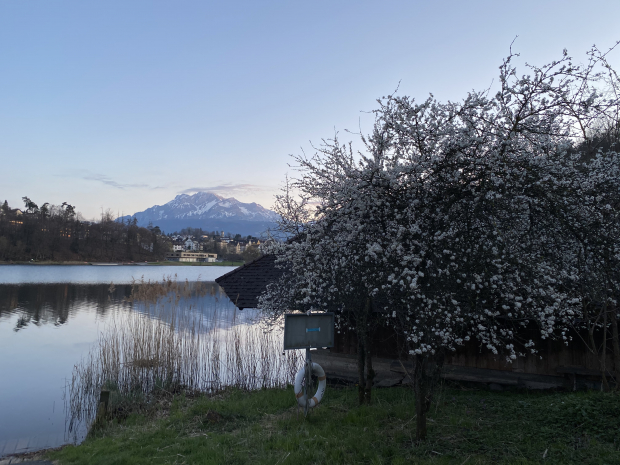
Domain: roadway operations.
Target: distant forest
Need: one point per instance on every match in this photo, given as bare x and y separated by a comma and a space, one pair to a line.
57, 233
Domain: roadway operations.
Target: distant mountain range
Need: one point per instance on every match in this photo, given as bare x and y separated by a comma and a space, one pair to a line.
208, 211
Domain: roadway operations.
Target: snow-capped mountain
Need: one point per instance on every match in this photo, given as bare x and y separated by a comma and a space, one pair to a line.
208, 211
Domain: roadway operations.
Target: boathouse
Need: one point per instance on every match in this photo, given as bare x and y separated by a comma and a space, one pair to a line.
554, 366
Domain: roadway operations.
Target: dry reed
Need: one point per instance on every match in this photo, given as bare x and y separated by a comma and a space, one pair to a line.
167, 342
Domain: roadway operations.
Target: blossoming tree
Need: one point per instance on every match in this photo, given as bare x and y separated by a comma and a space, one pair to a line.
460, 221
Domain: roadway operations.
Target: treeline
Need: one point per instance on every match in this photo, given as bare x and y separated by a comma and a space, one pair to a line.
58, 233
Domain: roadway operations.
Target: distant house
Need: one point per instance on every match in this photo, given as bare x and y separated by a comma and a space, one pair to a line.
178, 246
222, 243
237, 247
192, 245
234, 247
16, 216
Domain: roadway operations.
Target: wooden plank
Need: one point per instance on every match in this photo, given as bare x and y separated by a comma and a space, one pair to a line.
482, 375
579, 370
503, 377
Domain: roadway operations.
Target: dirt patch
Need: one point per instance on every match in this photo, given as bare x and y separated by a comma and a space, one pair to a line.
213, 417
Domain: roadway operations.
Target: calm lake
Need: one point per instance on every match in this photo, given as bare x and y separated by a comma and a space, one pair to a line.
50, 317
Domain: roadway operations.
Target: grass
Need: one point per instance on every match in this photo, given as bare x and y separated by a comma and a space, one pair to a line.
465, 427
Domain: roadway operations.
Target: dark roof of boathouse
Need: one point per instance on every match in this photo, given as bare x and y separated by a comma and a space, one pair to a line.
245, 284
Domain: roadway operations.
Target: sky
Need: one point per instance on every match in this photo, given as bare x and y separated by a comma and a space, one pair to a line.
123, 105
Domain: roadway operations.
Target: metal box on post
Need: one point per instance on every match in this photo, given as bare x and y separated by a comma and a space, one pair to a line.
308, 331
302, 331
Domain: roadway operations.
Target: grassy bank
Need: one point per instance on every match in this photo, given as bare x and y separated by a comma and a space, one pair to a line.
465, 426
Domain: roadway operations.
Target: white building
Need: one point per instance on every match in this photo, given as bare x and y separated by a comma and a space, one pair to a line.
192, 245
191, 257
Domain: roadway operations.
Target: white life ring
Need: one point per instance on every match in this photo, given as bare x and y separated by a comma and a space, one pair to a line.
299, 391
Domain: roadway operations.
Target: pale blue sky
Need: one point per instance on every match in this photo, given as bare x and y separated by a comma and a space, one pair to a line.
125, 104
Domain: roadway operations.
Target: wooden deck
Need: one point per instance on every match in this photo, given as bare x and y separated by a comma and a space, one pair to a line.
391, 372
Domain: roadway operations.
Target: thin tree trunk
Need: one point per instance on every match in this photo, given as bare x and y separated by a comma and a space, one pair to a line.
616, 345
419, 386
361, 353
370, 373
364, 357
591, 339
420, 411
605, 384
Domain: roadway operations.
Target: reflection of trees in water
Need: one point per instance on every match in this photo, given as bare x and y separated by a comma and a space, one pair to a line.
54, 303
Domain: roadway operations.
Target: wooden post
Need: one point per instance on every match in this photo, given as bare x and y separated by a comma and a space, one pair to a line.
102, 408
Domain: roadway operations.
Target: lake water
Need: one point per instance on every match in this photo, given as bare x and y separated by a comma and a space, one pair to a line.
105, 274
50, 316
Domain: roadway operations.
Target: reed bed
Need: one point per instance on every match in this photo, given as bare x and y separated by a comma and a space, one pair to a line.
170, 341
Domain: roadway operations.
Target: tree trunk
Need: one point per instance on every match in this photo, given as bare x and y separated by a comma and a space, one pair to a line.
616, 345
591, 340
361, 353
370, 373
364, 356
426, 371
605, 384
420, 410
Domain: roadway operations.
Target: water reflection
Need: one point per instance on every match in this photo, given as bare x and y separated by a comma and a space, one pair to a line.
57, 303
46, 329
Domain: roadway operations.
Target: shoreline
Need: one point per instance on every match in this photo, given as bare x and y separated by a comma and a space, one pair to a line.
39, 456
